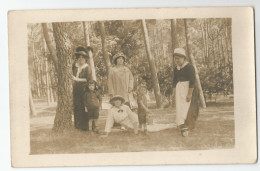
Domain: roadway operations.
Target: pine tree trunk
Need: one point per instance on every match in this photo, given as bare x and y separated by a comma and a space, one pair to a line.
204, 43
175, 43
64, 111
187, 41
32, 107
152, 65
192, 60
104, 50
36, 64
90, 54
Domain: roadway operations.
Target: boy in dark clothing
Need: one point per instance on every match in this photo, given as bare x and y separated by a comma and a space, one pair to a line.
92, 101
142, 107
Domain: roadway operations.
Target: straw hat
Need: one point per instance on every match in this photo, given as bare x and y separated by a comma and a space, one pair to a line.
117, 97
119, 55
179, 52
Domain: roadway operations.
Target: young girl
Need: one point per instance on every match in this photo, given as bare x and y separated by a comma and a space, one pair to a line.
184, 92
121, 114
92, 101
142, 107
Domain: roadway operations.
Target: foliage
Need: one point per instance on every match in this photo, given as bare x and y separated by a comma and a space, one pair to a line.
210, 43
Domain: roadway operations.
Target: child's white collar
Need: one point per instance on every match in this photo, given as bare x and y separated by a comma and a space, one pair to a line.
180, 67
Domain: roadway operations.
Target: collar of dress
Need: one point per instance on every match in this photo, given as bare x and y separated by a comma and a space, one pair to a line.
180, 67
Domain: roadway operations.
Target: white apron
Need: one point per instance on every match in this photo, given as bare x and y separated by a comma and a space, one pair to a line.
182, 106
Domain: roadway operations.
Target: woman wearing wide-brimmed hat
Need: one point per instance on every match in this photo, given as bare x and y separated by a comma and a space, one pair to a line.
81, 74
121, 114
120, 78
185, 92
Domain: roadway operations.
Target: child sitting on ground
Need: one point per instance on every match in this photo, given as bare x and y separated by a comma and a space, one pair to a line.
121, 114
92, 101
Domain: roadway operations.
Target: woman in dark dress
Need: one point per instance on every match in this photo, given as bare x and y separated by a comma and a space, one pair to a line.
81, 74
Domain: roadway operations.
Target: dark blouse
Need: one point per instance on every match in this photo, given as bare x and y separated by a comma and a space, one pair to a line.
187, 73
85, 72
92, 99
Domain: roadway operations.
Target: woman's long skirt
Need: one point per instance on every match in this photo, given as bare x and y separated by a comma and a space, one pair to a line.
186, 112
80, 116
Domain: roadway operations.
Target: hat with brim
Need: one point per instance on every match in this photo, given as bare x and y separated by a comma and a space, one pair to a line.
118, 55
179, 52
117, 97
81, 53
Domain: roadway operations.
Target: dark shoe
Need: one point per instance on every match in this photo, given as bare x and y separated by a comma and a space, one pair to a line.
184, 132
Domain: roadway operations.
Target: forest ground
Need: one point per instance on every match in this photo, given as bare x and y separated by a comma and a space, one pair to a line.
214, 130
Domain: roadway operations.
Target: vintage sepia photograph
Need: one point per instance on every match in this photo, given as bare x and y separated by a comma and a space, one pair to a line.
121, 86
131, 85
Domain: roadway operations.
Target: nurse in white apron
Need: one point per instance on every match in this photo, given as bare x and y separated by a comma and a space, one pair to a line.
183, 86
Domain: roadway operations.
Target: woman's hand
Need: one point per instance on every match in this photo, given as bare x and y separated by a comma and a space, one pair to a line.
130, 90
188, 98
74, 78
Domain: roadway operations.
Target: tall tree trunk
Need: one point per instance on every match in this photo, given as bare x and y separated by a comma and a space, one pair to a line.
62, 60
46, 72
47, 83
207, 41
37, 75
50, 46
90, 54
175, 43
204, 44
64, 111
152, 65
192, 60
104, 50
32, 107
187, 40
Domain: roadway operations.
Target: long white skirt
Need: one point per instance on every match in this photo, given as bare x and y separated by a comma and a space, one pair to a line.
182, 106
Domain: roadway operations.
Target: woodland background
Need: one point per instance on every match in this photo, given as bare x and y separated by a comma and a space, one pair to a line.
50, 60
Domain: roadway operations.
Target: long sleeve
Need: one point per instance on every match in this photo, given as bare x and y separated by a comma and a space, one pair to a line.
109, 122
110, 82
191, 76
174, 78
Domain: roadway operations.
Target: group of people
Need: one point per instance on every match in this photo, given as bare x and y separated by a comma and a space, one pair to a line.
87, 98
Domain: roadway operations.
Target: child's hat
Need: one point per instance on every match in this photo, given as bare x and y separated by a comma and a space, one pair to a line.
117, 97
179, 52
120, 54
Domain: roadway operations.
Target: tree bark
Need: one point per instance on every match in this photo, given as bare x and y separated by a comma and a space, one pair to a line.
64, 111
50, 46
90, 54
152, 65
104, 50
192, 60
186, 37
175, 43
32, 108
